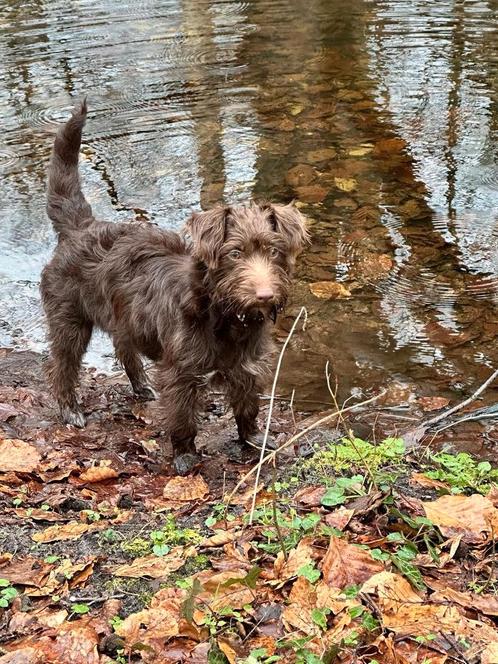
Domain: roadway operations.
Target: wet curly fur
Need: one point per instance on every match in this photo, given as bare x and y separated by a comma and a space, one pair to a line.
199, 304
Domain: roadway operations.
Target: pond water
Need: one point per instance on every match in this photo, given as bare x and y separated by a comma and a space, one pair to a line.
379, 118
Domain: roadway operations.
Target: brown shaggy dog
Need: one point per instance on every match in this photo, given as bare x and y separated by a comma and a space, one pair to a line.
199, 308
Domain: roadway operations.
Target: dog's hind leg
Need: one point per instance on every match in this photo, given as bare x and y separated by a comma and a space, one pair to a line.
69, 337
132, 364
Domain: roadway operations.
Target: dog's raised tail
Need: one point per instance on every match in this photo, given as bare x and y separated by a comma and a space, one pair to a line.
66, 204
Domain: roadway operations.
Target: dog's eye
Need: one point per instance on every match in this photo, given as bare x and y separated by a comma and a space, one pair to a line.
274, 252
235, 254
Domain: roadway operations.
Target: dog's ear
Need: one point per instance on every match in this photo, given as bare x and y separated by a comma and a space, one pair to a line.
291, 224
207, 231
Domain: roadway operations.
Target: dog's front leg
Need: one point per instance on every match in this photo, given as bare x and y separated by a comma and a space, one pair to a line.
243, 393
179, 408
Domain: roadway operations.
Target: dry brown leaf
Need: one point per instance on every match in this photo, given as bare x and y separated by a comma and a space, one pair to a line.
185, 489
301, 555
487, 604
468, 516
66, 575
432, 403
339, 518
161, 620
27, 571
310, 496
489, 655
218, 596
423, 480
68, 531
98, 473
38, 514
346, 564
227, 649
408, 613
346, 184
18, 456
152, 566
220, 538
23, 656
329, 290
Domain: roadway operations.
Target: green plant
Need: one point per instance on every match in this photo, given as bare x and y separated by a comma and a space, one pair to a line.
383, 462
80, 609
462, 472
7, 593
292, 526
343, 489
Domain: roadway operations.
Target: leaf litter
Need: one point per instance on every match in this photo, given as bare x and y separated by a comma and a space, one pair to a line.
363, 553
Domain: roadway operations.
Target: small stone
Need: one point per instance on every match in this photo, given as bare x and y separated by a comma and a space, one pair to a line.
321, 155
312, 193
300, 175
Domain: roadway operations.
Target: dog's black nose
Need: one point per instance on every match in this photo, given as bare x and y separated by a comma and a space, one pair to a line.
264, 294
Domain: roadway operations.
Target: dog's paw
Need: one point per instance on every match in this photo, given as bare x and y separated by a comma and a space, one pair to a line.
73, 416
185, 463
145, 392
257, 439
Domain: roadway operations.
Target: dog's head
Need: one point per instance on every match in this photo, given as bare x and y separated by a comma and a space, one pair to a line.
250, 252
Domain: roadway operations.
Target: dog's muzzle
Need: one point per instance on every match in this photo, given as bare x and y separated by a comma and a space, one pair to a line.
260, 315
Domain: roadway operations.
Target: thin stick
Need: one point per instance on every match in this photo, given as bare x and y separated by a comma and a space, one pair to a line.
272, 400
297, 436
459, 406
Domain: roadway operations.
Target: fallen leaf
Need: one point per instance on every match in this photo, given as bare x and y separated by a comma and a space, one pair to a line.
432, 403
152, 566
469, 516
27, 571
423, 480
329, 290
487, 604
360, 151
220, 538
488, 656
186, 489
18, 456
64, 576
38, 514
68, 531
339, 518
297, 558
23, 656
346, 184
160, 621
346, 564
310, 496
98, 473
226, 648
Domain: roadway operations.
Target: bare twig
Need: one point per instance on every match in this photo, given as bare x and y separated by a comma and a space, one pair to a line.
459, 406
302, 312
296, 437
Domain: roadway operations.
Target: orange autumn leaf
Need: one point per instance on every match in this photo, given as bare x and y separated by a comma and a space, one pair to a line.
17, 456
155, 567
98, 473
185, 489
346, 564
68, 531
469, 516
